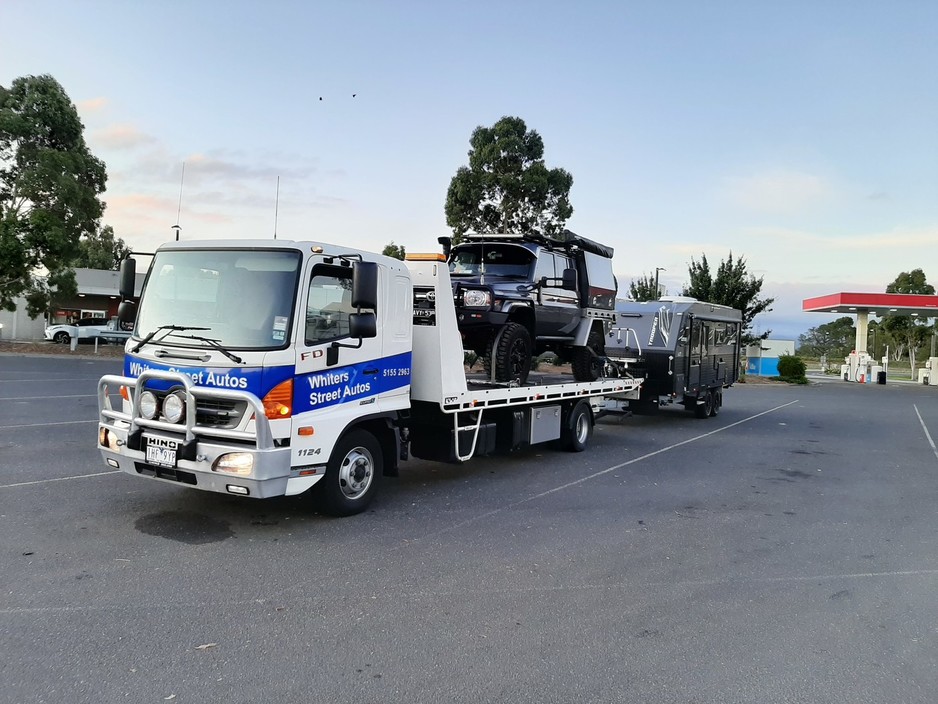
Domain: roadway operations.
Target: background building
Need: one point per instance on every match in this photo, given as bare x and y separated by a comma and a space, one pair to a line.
98, 297
762, 357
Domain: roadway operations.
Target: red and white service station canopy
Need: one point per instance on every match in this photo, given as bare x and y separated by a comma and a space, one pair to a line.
880, 304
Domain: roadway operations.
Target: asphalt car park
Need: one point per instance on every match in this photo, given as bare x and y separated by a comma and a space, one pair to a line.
783, 551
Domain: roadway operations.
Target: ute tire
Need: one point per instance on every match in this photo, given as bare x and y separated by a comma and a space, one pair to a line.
511, 354
586, 362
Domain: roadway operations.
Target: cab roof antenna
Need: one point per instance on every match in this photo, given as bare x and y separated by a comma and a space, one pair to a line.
182, 180
276, 207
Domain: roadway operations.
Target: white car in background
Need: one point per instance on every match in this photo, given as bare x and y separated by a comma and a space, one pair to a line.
86, 328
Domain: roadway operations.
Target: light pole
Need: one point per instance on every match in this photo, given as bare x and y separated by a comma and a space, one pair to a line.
657, 290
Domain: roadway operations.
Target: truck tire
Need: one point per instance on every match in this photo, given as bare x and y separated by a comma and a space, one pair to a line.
586, 362
705, 409
511, 355
62, 337
577, 428
352, 475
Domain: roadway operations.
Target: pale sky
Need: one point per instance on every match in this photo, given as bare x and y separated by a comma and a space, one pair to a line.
802, 136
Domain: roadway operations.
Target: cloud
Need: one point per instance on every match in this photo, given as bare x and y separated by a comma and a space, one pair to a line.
777, 191
695, 249
122, 136
92, 105
135, 213
137, 210
220, 166
896, 238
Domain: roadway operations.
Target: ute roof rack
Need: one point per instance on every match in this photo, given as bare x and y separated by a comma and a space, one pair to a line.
563, 240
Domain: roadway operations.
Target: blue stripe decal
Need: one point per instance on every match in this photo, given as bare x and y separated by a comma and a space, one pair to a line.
352, 383
258, 380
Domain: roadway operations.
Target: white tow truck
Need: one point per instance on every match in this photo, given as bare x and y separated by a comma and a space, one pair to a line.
270, 368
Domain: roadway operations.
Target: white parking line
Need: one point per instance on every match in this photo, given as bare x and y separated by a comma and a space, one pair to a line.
393, 592
930, 441
44, 398
59, 479
42, 425
47, 378
489, 514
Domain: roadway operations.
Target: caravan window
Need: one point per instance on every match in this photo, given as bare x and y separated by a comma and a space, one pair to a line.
701, 338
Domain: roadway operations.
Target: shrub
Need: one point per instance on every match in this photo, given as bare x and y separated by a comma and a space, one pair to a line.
791, 368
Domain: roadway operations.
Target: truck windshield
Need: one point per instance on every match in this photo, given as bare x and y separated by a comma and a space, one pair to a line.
239, 299
498, 259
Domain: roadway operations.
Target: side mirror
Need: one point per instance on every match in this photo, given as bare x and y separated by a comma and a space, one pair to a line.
128, 277
362, 325
447, 244
126, 313
364, 285
569, 280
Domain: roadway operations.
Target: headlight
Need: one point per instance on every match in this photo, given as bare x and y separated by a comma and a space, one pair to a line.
476, 298
235, 463
174, 408
148, 405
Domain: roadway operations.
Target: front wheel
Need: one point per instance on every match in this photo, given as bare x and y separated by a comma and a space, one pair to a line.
352, 475
511, 356
61, 337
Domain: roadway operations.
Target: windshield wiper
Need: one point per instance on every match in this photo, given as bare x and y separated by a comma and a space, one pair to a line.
214, 344
168, 329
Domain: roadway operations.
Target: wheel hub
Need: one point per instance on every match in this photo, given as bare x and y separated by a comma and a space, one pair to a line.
356, 473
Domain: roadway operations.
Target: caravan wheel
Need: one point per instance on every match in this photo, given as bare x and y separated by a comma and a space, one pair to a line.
705, 409
717, 402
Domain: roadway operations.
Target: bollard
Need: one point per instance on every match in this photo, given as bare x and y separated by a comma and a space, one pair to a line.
73, 343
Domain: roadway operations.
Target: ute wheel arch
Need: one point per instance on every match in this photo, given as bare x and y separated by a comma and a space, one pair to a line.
586, 362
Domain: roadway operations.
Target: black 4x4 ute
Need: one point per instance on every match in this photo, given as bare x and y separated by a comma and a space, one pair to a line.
518, 295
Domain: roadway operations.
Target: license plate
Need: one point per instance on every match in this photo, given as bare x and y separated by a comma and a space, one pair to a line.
161, 452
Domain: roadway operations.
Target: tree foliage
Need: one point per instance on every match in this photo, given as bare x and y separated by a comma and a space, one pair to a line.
101, 250
834, 339
643, 289
906, 331
732, 286
792, 368
394, 250
914, 282
49, 188
507, 187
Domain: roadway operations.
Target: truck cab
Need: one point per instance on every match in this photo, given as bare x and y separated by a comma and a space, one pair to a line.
277, 345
